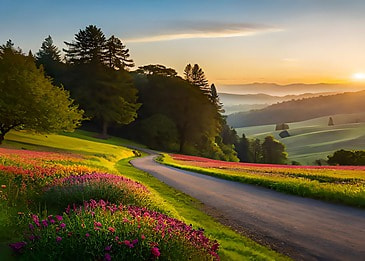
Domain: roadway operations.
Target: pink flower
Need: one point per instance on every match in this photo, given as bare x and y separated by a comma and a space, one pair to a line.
17, 247
59, 218
31, 227
58, 239
98, 224
44, 223
111, 229
62, 225
155, 252
108, 248
87, 235
135, 241
143, 237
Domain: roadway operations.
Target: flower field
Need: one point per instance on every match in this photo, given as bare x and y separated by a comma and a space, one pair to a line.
340, 184
60, 206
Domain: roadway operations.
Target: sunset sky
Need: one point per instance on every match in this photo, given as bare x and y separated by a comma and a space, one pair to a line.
282, 41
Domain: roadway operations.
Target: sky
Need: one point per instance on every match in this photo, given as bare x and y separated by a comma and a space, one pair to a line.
234, 41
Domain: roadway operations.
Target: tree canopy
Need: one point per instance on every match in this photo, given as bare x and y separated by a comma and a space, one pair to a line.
29, 100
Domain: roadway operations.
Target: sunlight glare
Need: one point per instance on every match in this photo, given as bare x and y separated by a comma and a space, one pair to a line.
358, 76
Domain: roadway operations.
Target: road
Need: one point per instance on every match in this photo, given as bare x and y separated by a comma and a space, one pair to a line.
304, 229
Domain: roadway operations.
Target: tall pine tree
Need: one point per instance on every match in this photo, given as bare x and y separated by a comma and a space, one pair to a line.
88, 46
117, 55
195, 75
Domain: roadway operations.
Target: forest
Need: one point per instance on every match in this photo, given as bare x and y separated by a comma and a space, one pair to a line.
98, 89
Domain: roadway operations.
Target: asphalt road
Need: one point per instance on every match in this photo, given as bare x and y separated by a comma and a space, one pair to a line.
302, 228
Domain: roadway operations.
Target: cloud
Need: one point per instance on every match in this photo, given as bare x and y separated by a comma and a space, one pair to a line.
189, 30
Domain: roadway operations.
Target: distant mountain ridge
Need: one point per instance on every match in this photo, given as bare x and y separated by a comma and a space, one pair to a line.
289, 89
300, 110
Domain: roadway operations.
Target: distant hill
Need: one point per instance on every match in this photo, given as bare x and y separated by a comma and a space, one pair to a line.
289, 89
300, 110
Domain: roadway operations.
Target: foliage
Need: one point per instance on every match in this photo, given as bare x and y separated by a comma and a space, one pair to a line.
340, 184
273, 151
156, 69
346, 157
29, 100
195, 75
110, 231
116, 55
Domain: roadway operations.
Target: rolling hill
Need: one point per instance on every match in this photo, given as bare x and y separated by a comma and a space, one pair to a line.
314, 139
301, 110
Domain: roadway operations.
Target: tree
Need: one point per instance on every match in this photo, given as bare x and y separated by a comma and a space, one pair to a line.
29, 100
195, 75
48, 52
346, 157
273, 151
330, 122
88, 46
116, 55
105, 94
157, 69
243, 149
49, 56
256, 151
215, 98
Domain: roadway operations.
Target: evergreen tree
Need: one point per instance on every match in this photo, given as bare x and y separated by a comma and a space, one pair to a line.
243, 149
88, 46
117, 55
195, 75
215, 98
157, 69
256, 151
48, 52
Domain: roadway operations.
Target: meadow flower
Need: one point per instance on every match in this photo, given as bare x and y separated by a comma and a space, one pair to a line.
59, 218
62, 225
143, 237
18, 246
87, 235
44, 223
3, 186
31, 227
155, 252
108, 248
58, 239
107, 257
111, 229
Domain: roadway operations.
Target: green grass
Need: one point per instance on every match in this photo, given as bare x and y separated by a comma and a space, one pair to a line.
188, 209
339, 186
313, 139
116, 158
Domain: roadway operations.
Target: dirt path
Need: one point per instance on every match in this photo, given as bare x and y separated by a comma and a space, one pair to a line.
302, 228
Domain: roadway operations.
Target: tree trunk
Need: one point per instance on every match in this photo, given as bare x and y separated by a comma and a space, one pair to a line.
104, 133
182, 143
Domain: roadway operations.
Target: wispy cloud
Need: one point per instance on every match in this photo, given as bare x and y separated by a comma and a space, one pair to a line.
189, 30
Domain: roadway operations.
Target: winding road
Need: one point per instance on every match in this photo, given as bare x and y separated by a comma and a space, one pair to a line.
304, 229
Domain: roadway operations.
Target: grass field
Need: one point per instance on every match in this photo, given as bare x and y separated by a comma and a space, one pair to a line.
106, 155
314, 139
339, 184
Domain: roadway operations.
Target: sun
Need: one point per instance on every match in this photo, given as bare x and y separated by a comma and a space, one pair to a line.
358, 76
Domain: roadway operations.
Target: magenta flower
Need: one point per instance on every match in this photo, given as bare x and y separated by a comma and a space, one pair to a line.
59, 218
58, 239
44, 223
18, 246
135, 241
107, 257
108, 248
155, 252
31, 227
62, 225
87, 235
52, 221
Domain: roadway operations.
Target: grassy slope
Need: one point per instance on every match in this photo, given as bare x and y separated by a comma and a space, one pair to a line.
115, 157
313, 139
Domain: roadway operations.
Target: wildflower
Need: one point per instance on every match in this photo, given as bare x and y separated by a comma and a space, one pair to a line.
143, 237
87, 235
111, 229
62, 225
108, 248
135, 241
18, 246
107, 257
44, 223
52, 221
31, 227
69, 234
116, 238
127, 242
58, 239
3, 186
59, 218
155, 252
98, 224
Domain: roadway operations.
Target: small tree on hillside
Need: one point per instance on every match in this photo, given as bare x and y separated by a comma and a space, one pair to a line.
29, 100
330, 122
273, 151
